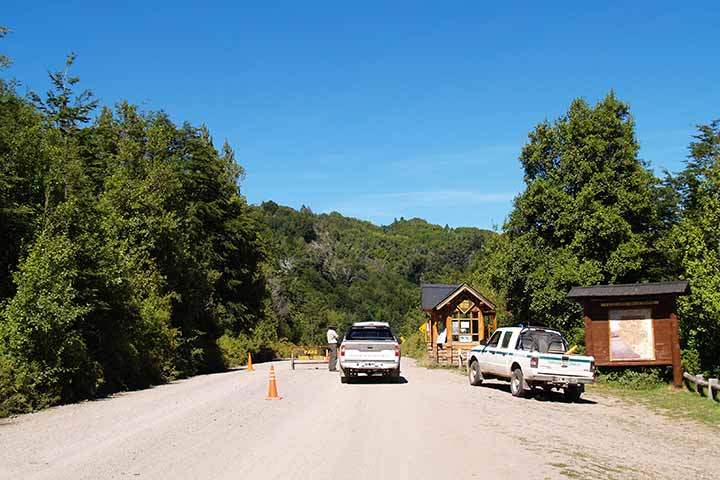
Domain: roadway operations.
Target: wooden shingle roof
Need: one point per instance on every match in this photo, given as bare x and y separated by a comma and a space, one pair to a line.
436, 295
631, 290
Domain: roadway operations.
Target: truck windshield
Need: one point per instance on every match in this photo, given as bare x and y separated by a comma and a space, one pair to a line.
369, 333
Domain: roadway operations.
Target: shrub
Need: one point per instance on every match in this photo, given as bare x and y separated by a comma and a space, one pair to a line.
415, 346
636, 378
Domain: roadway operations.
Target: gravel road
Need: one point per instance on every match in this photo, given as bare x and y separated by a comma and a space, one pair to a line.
430, 425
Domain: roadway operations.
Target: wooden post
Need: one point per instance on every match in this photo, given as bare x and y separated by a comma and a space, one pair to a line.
712, 385
494, 322
589, 348
677, 362
698, 383
433, 336
448, 331
292, 359
481, 325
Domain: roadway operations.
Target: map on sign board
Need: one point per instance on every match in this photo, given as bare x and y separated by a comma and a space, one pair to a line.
631, 335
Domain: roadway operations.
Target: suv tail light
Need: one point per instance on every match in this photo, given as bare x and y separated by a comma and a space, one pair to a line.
342, 350
534, 362
397, 350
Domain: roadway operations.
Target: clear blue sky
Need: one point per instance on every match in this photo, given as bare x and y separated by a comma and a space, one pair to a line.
384, 109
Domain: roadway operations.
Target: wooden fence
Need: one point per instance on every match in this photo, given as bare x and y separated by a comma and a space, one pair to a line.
708, 388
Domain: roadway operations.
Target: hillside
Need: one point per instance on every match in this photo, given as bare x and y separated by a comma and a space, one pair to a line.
327, 268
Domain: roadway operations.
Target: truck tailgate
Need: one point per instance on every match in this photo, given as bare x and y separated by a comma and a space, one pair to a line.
566, 365
369, 351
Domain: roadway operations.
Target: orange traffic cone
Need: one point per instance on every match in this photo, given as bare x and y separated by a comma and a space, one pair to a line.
249, 364
272, 389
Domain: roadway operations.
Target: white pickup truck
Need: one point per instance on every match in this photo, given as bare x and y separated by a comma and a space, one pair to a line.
369, 348
530, 357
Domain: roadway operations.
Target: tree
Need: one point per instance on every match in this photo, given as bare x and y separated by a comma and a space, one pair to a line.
591, 213
695, 244
5, 61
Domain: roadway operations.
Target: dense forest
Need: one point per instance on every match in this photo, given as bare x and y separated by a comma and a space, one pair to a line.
130, 256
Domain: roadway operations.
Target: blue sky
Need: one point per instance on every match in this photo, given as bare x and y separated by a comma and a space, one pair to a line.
384, 109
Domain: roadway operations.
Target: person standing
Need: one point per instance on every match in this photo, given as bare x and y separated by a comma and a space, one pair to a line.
332, 339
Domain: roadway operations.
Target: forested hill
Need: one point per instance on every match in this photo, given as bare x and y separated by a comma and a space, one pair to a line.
328, 268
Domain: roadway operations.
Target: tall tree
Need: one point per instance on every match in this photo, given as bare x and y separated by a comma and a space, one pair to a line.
591, 213
695, 243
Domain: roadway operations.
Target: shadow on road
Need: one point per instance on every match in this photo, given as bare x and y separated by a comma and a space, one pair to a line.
375, 380
537, 394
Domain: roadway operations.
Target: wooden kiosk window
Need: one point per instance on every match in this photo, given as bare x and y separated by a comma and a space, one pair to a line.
465, 324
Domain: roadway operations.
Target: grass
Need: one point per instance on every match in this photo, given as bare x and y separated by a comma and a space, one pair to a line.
667, 401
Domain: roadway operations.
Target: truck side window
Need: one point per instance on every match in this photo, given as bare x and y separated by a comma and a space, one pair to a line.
494, 339
506, 340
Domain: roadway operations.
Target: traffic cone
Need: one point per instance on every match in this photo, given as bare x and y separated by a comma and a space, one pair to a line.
272, 389
249, 364
327, 355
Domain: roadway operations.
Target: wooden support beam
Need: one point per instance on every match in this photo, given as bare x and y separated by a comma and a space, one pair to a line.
676, 360
434, 336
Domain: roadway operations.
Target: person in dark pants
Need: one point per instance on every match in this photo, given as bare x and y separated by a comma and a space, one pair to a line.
332, 339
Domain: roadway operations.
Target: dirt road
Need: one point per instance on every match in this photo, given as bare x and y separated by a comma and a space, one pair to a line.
432, 425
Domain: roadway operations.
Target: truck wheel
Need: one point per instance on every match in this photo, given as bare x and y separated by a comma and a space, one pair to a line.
517, 383
475, 376
572, 394
344, 376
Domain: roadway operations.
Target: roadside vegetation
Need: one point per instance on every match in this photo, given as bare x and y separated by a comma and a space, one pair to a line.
650, 388
130, 256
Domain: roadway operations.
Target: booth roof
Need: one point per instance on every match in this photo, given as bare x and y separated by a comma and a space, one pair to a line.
434, 293
631, 290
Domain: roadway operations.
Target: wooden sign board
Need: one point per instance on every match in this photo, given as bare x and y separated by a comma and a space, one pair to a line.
632, 329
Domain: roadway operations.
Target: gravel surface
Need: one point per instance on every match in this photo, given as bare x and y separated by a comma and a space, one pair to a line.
430, 425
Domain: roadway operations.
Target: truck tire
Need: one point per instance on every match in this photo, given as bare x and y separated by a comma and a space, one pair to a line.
572, 394
517, 383
344, 376
475, 376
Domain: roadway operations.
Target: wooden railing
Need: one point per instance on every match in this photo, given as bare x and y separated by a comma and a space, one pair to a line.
700, 385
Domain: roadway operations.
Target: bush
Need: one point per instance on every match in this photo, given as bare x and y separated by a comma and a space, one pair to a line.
691, 361
415, 346
235, 349
18, 392
636, 378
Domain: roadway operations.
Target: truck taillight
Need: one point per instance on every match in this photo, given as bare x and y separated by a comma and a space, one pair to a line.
534, 362
397, 350
342, 350
592, 365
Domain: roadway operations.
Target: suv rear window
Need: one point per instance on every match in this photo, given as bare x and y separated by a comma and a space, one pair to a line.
369, 333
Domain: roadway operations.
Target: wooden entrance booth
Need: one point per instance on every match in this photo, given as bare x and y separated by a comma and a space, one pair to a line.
464, 315
632, 325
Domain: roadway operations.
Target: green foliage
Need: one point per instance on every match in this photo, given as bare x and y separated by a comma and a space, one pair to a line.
635, 378
591, 213
695, 245
130, 250
329, 269
5, 61
415, 345
42, 323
